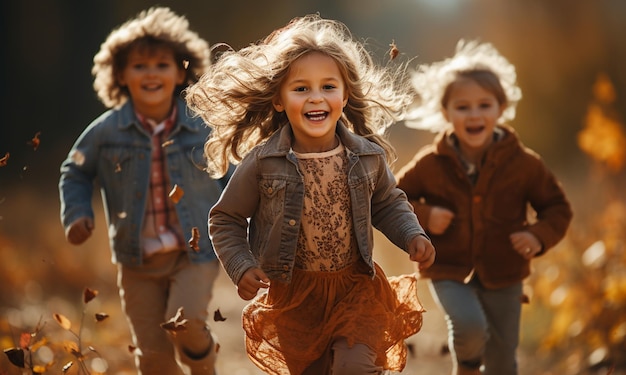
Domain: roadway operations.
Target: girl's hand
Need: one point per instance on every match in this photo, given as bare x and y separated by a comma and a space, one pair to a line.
526, 244
250, 283
439, 220
421, 250
79, 231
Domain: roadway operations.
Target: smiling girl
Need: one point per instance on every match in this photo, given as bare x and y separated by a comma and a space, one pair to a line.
471, 188
302, 111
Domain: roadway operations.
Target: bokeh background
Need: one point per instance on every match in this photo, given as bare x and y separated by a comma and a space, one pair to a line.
571, 62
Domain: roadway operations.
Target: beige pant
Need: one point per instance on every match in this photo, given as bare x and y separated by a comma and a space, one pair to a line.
151, 294
340, 359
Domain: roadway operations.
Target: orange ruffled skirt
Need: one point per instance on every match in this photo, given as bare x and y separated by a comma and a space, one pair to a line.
292, 325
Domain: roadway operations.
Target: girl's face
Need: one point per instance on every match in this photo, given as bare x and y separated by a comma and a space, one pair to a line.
151, 78
313, 95
473, 112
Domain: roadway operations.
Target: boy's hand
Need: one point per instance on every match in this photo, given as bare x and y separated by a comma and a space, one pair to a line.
79, 231
439, 220
526, 244
250, 283
421, 250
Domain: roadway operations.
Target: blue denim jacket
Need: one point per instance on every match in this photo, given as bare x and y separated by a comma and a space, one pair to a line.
115, 150
267, 188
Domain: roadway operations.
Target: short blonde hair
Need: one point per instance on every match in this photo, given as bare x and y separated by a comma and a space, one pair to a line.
236, 96
480, 62
154, 28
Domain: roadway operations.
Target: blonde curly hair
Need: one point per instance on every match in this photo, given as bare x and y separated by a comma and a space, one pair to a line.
480, 62
155, 28
235, 96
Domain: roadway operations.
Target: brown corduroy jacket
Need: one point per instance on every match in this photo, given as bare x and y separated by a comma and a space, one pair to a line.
512, 179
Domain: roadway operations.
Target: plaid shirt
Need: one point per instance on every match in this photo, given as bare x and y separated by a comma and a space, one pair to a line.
159, 234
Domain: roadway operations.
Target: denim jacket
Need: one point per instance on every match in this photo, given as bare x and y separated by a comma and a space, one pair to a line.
257, 220
116, 150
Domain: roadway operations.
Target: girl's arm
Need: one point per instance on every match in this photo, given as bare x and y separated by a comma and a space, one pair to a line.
228, 220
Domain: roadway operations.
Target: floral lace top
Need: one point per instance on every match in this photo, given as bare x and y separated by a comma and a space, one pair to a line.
326, 241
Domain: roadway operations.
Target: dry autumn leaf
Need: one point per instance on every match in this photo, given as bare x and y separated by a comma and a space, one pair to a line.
176, 193
195, 237
217, 316
89, 294
394, 51
16, 356
63, 321
4, 160
35, 141
101, 316
177, 323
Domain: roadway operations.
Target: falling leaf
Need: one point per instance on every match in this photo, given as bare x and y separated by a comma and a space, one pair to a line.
195, 237
394, 51
35, 141
67, 366
4, 160
177, 323
101, 316
167, 143
217, 316
176, 194
89, 294
25, 340
16, 356
63, 321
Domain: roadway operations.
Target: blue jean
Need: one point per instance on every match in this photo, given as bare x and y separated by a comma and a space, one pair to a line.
483, 324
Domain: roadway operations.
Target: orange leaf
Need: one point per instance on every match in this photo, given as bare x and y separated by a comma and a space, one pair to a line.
4, 160
195, 237
25, 340
394, 51
35, 141
63, 321
176, 194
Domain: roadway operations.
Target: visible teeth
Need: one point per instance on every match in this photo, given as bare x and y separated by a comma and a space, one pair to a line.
317, 113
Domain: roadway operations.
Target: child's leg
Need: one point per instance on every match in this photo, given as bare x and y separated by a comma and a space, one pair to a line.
143, 291
467, 323
356, 360
192, 288
503, 309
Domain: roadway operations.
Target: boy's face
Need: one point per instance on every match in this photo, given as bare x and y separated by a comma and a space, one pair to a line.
474, 113
151, 77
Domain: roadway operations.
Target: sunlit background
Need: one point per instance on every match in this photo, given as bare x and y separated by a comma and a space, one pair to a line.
571, 63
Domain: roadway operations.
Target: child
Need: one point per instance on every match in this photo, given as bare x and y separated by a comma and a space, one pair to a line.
471, 188
300, 111
146, 146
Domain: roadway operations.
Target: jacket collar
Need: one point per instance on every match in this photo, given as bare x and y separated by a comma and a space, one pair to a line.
279, 143
508, 144
184, 117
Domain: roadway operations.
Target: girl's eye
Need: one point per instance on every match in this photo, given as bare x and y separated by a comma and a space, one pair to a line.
329, 87
164, 65
485, 105
300, 89
462, 107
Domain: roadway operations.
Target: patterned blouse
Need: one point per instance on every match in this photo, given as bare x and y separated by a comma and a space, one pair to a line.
326, 241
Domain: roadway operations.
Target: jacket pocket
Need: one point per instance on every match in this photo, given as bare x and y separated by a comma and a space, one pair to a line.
272, 196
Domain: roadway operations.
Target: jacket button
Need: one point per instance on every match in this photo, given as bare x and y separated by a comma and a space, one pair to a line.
283, 276
270, 190
286, 267
477, 199
292, 222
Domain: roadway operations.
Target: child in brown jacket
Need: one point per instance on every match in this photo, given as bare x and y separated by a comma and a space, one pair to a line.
471, 188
